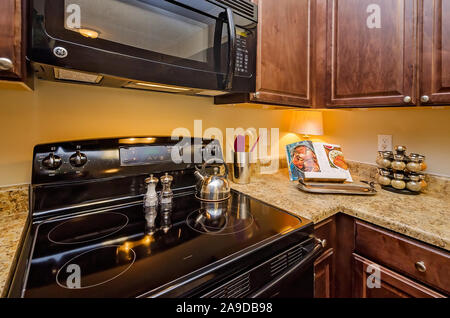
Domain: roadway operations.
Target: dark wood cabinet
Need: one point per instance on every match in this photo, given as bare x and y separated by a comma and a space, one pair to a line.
406, 267
434, 77
324, 266
371, 53
284, 56
13, 68
389, 285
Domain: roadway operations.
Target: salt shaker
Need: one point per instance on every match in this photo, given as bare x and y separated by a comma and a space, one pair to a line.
414, 164
385, 159
151, 198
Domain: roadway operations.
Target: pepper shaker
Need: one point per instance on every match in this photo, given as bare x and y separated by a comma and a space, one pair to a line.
398, 182
166, 192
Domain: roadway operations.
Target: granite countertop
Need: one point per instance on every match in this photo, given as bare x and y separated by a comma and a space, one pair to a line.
425, 217
13, 217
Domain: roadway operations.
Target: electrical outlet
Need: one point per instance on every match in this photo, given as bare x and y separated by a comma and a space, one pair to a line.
384, 142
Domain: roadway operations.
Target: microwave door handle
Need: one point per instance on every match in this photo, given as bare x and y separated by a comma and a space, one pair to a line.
232, 49
301, 266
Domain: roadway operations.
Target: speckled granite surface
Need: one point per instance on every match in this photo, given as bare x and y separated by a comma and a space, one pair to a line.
424, 217
13, 216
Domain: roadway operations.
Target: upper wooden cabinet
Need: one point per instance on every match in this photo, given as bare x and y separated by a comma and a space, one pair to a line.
371, 52
434, 74
284, 56
286, 43
13, 68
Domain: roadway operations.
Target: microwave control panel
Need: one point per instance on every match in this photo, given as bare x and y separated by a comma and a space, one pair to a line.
242, 62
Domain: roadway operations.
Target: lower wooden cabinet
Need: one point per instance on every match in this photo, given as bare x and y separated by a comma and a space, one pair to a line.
371, 280
357, 250
324, 275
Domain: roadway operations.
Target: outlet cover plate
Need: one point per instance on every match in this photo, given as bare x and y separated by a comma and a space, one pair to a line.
385, 143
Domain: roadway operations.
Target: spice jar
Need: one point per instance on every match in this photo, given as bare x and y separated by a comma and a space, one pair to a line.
398, 182
400, 150
414, 164
423, 165
385, 160
398, 163
423, 183
383, 177
414, 183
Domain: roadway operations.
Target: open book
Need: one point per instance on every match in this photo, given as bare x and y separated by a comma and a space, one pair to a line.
316, 161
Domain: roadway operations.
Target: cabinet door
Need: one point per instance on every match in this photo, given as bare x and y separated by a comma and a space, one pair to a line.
324, 275
435, 52
10, 39
284, 52
392, 284
371, 52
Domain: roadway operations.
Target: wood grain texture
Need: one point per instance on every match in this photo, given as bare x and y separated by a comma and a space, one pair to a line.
285, 49
392, 285
435, 51
400, 253
371, 66
324, 266
11, 37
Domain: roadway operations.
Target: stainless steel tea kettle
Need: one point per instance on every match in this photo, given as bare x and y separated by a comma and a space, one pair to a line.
215, 187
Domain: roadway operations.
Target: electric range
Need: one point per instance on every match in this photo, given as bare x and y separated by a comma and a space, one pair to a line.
90, 234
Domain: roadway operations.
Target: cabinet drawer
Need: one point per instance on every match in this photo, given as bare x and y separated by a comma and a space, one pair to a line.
417, 260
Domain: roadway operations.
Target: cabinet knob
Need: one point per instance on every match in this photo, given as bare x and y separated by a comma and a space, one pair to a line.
407, 99
5, 64
420, 266
256, 95
425, 99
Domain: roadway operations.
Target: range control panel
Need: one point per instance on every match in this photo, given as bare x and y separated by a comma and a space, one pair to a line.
105, 158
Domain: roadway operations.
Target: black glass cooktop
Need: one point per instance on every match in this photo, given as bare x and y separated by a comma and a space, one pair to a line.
126, 252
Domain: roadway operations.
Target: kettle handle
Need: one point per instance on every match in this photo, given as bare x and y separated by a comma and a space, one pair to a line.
211, 160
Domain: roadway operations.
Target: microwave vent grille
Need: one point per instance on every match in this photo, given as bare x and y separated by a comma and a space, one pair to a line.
243, 7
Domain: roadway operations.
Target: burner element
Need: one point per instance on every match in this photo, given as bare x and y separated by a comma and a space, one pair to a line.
216, 218
109, 263
88, 228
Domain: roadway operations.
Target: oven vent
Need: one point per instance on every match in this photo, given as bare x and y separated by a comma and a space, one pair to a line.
243, 7
238, 287
285, 261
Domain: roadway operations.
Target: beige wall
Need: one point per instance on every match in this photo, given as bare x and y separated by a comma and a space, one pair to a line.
55, 112
425, 131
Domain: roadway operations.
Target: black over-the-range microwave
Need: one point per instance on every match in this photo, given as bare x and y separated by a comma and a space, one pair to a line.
204, 47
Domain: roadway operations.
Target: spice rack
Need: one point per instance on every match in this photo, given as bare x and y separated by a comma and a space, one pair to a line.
401, 173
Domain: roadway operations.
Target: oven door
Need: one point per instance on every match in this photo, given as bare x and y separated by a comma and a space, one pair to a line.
185, 43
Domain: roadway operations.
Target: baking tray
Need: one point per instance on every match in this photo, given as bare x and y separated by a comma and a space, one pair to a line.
336, 188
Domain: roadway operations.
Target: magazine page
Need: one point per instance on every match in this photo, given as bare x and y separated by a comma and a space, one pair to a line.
301, 158
331, 160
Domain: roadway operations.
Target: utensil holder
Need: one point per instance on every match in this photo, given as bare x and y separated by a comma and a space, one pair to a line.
241, 172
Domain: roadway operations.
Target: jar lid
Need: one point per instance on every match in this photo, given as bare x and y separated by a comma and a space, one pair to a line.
400, 149
399, 176
384, 172
399, 157
386, 154
414, 177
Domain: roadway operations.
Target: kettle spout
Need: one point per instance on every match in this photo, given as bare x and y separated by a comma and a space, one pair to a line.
199, 176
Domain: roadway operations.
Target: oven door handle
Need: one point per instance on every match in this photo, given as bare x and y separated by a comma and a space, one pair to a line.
232, 49
304, 263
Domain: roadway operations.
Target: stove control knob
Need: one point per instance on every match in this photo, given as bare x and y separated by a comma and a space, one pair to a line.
52, 162
78, 159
